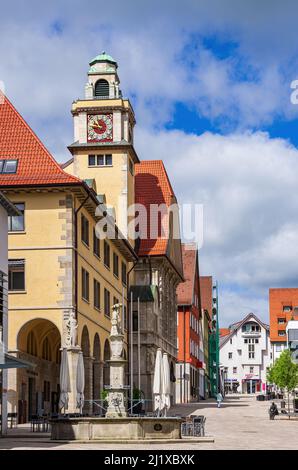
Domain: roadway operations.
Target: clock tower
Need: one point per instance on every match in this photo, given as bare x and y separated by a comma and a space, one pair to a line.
103, 138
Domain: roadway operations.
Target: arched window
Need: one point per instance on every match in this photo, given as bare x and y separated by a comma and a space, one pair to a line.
46, 350
102, 88
31, 344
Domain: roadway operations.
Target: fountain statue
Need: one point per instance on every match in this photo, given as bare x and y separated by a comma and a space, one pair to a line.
117, 401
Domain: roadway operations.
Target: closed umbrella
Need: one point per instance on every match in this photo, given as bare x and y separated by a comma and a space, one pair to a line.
166, 388
80, 382
64, 381
157, 382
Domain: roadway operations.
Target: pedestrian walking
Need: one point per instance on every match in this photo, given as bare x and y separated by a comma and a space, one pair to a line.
219, 399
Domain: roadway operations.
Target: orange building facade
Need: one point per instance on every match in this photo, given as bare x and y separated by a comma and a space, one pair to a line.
189, 360
283, 306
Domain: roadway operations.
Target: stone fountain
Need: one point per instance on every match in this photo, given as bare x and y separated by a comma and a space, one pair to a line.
116, 425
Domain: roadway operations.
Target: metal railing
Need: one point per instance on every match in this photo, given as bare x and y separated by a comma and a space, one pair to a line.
138, 407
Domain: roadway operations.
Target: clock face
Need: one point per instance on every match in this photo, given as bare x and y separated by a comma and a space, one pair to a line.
100, 127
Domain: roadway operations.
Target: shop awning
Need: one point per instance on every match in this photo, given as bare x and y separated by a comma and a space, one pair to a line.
11, 362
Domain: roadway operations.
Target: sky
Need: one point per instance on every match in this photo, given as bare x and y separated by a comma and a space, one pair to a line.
210, 83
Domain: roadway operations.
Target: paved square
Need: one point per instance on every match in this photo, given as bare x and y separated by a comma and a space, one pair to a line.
241, 423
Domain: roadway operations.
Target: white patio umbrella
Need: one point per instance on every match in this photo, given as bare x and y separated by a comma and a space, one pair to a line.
166, 388
64, 381
80, 382
157, 382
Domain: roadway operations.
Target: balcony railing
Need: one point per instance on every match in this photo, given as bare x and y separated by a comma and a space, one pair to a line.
251, 333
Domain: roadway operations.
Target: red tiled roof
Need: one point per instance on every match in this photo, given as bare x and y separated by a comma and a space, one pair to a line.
185, 289
152, 186
206, 293
36, 166
224, 331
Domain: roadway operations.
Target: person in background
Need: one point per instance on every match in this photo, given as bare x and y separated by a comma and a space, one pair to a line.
219, 399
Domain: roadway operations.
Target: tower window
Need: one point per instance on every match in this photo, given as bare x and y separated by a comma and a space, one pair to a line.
100, 160
102, 89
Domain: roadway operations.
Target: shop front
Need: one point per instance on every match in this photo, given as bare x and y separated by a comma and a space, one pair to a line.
231, 386
251, 384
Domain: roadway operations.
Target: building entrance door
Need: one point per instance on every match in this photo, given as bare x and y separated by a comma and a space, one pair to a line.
252, 386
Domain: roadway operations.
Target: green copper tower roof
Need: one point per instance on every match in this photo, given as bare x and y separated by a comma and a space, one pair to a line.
103, 57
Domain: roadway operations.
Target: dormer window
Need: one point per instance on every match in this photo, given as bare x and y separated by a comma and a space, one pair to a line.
102, 89
8, 166
287, 308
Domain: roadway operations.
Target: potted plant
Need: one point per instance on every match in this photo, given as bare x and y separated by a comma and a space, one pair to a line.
104, 396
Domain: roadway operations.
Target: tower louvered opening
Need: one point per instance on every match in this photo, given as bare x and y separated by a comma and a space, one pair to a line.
102, 88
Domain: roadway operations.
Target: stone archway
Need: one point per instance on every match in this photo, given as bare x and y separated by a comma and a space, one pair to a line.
106, 367
36, 390
97, 373
88, 366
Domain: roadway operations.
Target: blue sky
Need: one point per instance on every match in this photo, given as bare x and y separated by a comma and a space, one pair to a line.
210, 84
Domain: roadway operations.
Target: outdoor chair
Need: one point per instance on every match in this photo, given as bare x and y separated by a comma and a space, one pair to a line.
39, 423
36, 423
193, 426
199, 425
12, 419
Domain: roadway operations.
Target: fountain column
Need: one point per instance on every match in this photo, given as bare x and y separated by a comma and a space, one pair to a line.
117, 402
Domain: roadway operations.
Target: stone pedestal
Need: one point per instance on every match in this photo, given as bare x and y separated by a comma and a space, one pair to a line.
117, 401
73, 356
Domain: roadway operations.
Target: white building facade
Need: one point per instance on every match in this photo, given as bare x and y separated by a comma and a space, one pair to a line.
245, 355
292, 339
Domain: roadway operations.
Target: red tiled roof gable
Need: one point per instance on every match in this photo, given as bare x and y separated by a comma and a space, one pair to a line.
206, 293
152, 186
185, 289
36, 166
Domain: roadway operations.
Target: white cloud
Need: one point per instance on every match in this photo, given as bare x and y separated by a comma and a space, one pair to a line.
247, 183
234, 306
154, 43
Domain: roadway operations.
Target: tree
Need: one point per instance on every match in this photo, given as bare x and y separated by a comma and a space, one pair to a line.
284, 373
270, 375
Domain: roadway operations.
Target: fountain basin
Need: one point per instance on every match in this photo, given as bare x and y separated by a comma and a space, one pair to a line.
89, 429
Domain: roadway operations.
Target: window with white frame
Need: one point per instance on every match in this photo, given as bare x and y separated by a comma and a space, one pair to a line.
16, 223
100, 160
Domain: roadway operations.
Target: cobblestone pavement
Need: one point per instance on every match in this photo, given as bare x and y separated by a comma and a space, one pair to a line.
240, 423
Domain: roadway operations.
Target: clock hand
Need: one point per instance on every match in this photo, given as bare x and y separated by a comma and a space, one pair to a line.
96, 125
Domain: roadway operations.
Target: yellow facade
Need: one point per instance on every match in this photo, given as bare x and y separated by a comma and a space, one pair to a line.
47, 246
116, 182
